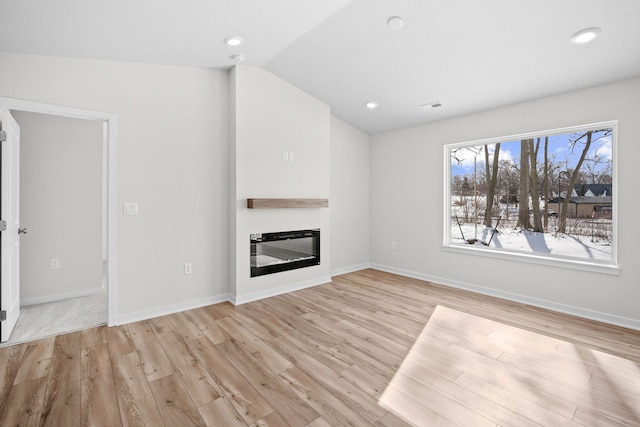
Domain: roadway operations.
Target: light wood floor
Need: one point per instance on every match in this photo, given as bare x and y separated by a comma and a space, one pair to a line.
370, 348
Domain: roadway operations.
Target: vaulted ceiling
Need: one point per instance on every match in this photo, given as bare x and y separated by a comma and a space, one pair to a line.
469, 55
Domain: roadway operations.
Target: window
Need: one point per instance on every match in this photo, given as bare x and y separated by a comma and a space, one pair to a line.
547, 197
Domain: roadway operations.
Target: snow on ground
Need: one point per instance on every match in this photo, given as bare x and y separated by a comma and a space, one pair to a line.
541, 243
578, 243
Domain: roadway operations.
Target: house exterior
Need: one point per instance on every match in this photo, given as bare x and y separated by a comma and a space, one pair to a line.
587, 201
591, 190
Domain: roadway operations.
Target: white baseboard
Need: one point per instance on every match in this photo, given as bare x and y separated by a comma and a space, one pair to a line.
351, 269
190, 305
550, 305
60, 297
170, 309
243, 299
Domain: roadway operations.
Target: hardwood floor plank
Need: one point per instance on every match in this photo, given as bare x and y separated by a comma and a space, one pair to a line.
275, 391
353, 397
136, 401
591, 417
222, 310
364, 380
36, 361
119, 339
323, 401
540, 390
413, 411
373, 338
300, 330
319, 422
62, 405
154, 361
176, 407
440, 338
377, 352
186, 324
441, 404
376, 368
10, 361
237, 389
62, 400
272, 420
207, 325
626, 387
100, 406
24, 403
93, 337
294, 333
546, 416
393, 327
269, 357
518, 382
598, 361
392, 420
194, 376
221, 412
547, 366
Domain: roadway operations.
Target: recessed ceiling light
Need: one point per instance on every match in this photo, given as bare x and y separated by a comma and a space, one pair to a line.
395, 22
234, 40
586, 35
371, 105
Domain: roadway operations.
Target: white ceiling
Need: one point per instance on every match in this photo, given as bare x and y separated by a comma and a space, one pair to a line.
471, 55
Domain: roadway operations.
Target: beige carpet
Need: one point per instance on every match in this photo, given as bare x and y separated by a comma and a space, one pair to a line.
44, 320
467, 370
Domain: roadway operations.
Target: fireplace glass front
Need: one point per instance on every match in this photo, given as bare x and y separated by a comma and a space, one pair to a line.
282, 251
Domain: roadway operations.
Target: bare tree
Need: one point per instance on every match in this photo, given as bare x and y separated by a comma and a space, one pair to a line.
492, 179
533, 188
562, 226
545, 183
523, 207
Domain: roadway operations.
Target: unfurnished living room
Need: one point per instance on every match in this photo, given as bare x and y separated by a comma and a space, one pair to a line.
319, 213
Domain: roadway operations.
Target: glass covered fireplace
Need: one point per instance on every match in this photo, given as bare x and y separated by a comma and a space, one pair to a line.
282, 251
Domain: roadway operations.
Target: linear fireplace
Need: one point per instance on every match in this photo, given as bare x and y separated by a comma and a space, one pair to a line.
285, 250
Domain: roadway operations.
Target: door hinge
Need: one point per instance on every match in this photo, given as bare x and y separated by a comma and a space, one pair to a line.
3, 316
3, 136
3, 225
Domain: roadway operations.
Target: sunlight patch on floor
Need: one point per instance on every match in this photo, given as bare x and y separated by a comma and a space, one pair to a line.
468, 370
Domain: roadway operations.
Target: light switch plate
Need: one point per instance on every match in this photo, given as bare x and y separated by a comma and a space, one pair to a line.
131, 209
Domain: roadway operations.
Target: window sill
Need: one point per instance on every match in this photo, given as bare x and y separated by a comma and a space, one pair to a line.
582, 265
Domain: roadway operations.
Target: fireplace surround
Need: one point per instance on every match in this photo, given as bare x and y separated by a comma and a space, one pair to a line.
285, 250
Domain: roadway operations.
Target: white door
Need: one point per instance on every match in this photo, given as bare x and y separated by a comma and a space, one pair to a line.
10, 226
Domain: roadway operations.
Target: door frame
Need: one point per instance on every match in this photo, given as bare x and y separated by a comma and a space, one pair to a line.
111, 122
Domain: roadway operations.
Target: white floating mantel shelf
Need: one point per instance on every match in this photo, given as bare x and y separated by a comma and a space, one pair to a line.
286, 203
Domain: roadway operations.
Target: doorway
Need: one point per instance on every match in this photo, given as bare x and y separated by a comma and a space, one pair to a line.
107, 260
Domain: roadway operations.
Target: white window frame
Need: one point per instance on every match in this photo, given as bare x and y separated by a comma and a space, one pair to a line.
600, 266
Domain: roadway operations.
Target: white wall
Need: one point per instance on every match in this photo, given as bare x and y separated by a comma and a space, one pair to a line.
350, 226
172, 159
61, 169
406, 205
270, 117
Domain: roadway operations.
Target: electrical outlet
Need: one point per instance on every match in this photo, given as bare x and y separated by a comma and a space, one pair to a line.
54, 263
291, 156
188, 268
394, 245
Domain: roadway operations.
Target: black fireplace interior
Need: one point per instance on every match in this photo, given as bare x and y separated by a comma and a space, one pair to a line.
286, 250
